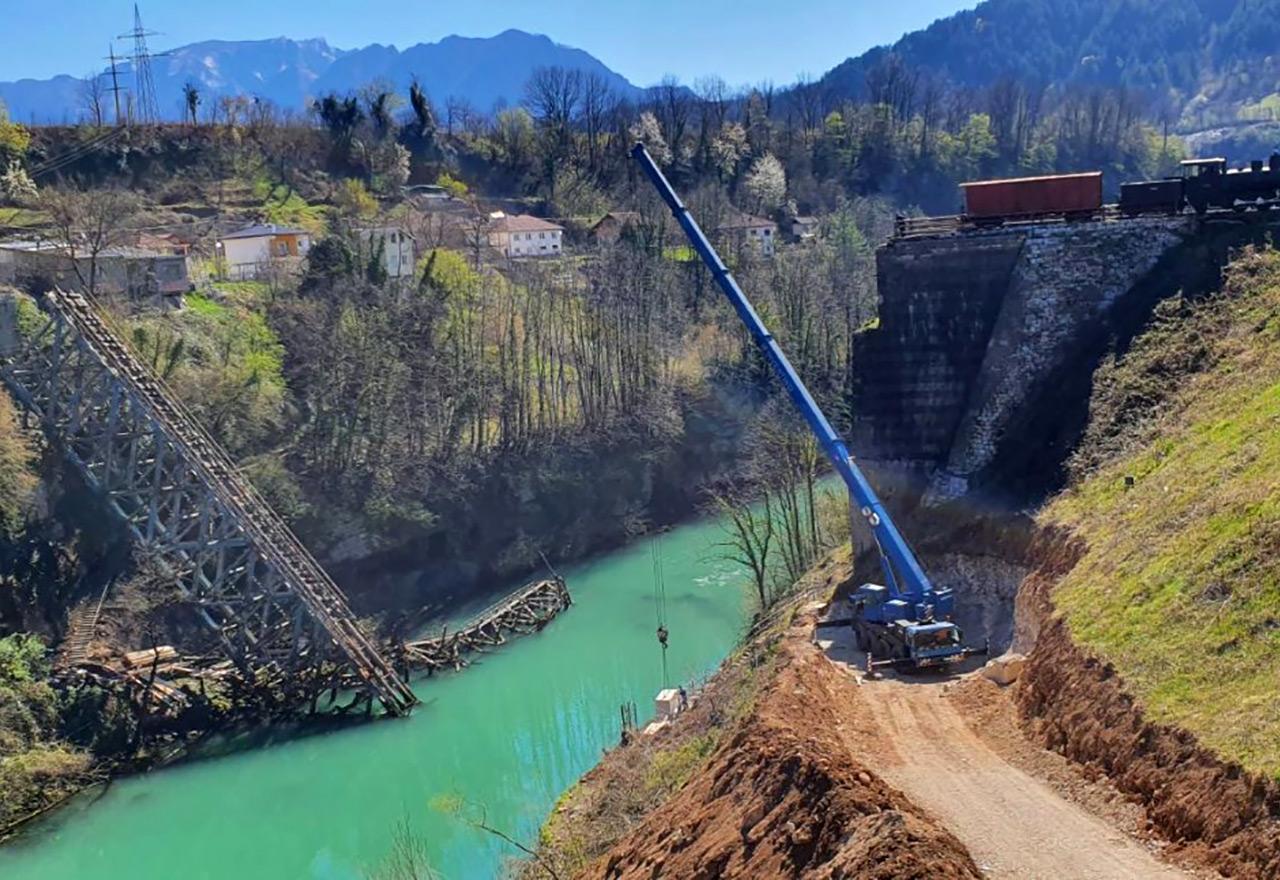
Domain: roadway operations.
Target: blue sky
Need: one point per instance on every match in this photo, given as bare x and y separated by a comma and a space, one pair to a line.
745, 41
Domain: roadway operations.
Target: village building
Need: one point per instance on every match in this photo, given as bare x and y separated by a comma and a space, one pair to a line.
804, 228
399, 257
116, 270
611, 227
520, 235
757, 232
253, 251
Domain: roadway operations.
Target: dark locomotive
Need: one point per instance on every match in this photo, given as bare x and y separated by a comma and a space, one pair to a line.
1204, 185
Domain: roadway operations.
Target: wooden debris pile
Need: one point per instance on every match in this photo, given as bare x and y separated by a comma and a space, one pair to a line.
527, 611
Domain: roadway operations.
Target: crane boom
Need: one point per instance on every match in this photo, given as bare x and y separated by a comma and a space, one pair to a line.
906, 577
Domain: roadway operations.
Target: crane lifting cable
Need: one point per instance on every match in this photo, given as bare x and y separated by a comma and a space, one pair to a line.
660, 601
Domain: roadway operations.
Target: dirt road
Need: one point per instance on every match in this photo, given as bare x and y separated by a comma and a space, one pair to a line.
1014, 825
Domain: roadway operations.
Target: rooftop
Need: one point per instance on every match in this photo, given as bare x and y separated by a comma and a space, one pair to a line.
44, 246
1077, 176
620, 216
265, 230
522, 223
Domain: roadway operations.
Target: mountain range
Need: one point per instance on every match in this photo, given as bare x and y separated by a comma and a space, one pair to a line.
482, 71
1205, 62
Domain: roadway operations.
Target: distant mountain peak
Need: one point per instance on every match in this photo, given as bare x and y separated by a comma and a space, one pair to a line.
483, 71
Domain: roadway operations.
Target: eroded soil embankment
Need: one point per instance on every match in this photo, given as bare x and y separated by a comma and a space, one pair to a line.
781, 797
1215, 813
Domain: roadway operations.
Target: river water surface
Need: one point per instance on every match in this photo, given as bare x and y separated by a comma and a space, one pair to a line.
507, 736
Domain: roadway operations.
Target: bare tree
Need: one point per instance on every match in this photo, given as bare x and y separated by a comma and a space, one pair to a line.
87, 223
674, 107
191, 101
553, 95
750, 539
807, 100
93, 96
598, 101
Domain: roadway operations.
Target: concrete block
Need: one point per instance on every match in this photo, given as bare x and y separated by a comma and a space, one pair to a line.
1005, 669
667, 703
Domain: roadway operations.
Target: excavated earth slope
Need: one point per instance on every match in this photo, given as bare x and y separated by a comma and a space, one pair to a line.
782, 797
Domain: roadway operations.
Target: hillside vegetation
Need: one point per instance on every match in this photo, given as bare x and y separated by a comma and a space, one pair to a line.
1180, 585
1203, 62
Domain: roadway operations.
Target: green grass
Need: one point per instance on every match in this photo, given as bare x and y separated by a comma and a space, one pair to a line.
202, 305
286, 207
1180, 585
673, 768
245, 294
22, 217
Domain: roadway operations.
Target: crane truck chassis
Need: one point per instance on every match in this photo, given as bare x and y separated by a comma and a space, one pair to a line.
905, 621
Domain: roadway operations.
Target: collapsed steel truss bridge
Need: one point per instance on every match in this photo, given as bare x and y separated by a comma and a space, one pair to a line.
270, 603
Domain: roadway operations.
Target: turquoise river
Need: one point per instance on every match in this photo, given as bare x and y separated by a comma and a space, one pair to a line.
507, 735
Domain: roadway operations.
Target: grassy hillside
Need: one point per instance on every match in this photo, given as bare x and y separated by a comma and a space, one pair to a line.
1180, 509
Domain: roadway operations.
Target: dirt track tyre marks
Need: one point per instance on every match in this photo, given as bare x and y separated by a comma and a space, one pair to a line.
1014, 825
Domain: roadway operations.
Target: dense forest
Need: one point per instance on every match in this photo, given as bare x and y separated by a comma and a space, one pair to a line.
1196, 62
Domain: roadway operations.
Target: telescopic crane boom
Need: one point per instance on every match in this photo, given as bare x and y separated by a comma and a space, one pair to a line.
910, 595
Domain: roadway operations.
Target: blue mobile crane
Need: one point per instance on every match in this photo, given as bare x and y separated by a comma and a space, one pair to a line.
905, 621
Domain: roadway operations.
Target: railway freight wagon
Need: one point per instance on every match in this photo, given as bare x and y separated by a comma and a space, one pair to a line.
992, 202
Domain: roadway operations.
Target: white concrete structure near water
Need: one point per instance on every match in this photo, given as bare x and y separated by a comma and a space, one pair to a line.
520, 235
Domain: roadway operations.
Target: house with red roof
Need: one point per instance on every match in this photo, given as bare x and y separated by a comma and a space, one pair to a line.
520, 235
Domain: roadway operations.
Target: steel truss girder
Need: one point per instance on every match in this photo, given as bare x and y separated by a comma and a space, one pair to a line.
251, 581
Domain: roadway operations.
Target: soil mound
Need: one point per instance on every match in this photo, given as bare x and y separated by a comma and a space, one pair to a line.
782, 797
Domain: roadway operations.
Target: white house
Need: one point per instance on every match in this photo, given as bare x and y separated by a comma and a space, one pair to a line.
520, 235
398, 254
756, 231
251, 251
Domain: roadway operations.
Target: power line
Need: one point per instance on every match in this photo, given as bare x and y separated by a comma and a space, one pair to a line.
146, 105
660, 601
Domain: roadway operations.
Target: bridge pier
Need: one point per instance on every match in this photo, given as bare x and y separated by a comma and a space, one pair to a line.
974, 325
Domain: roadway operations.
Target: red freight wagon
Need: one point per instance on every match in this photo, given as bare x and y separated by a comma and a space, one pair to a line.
1033, 196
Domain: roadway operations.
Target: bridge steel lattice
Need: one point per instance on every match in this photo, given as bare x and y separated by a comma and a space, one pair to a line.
270, 603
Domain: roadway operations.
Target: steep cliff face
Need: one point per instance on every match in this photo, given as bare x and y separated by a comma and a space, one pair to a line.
939, 300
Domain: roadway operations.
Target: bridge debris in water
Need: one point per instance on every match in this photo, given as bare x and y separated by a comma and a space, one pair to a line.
525, 611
